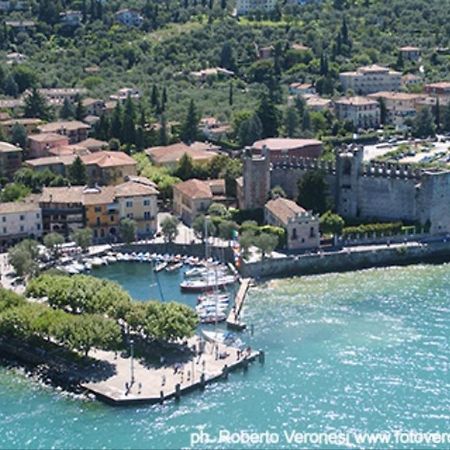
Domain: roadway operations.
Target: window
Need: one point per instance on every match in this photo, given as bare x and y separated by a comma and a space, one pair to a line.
38, 216
312, 232
22, 228
112, 218
3, 219
129, 204
98, 221
38, 226
98, 209
294, 234
147, 215
147, 202
5, 230
130, 216
22, 218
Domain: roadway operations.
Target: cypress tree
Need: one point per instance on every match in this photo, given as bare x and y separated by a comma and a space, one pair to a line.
189, 129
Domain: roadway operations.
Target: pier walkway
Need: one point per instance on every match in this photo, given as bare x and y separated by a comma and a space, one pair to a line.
234, 321
158, 384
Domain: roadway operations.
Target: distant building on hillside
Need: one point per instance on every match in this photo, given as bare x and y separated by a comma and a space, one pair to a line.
71, 18
129, 18
410, 53
370, 79
244, 7
439, 91
56, 96
76, 131
363, 112
10, 159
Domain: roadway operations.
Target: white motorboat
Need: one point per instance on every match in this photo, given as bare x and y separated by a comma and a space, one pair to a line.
161, 266
206, 284
213, 318
174, 267
221, 298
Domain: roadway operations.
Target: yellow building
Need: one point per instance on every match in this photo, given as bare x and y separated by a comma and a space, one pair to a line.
102, 213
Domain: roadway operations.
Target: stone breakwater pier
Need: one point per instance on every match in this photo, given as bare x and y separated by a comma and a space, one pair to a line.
134, 382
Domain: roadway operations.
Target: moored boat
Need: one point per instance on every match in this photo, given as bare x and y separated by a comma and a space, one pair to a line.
161, 266
174, 267
206, 285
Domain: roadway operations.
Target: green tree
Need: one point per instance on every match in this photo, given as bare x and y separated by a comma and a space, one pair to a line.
446, 118
67, 110
423, 124
291, 121
189, 129
77, 172
185, 168
128, 229
53, 241
250, 131
312, 191
228, 229
266, 243
331, 223
227, 59
19, 135
36, 106
169, 228
203, 227
80, 110
269, 117
24, 258
129, 123
219, 210
13, 192
83, 238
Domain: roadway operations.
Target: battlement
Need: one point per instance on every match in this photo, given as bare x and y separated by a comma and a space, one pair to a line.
390, 170
287, 162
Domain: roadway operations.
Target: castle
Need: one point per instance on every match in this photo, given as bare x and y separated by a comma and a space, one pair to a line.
358, 190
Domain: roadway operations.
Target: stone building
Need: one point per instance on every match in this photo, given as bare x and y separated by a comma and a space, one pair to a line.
10, 159
302, 227
373, 191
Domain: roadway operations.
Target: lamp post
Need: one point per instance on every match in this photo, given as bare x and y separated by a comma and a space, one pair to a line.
132, 361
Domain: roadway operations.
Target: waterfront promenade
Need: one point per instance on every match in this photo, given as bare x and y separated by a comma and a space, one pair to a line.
234, 317
155, 384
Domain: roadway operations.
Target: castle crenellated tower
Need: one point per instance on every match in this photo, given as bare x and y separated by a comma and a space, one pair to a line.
348, 167
256, 179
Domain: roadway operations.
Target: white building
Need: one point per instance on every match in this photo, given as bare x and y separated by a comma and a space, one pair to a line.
370, 79
20, 220
244, 7
363, 112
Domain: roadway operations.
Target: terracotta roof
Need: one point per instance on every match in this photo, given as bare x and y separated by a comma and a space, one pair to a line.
66, 160
5, 147
28, 204
22, 121
314, 100
195, 189
278, 144
93, 144
70, 125
284, 209
300, 47
439, 85
355, 101
142, 180
105, 159
70, 194
66, 150
300, 85
173, 153
98, 196
405, 96
134, 188
47, 137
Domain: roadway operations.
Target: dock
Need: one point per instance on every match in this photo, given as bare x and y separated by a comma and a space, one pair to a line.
234, 317
157, 384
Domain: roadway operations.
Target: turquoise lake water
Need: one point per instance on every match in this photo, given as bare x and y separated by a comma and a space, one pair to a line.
356, 352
